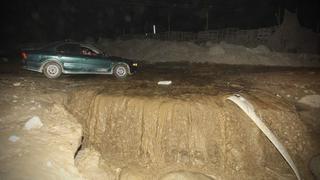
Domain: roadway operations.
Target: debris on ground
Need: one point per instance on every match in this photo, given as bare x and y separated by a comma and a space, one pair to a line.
14, 138
16, 84
164, 82
49, 164
33, 123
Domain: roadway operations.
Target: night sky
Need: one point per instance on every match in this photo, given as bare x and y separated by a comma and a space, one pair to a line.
42, 21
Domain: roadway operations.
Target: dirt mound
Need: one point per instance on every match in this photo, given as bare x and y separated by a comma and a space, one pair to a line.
292, 37
222, 53
206, 134
311, 100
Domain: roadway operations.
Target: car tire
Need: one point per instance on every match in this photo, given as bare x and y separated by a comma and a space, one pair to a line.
120, 71
52, 70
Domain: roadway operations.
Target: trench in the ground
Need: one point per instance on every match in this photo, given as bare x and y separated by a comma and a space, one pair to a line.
200, 133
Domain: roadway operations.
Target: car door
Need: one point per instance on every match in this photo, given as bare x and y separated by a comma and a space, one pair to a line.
95, 63
71, 58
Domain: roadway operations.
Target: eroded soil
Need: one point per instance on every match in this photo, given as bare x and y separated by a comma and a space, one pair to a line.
141, 130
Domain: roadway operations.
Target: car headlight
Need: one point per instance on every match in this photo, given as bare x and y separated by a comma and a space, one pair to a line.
135, 64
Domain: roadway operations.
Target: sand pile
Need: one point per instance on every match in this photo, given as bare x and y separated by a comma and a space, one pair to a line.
222, 53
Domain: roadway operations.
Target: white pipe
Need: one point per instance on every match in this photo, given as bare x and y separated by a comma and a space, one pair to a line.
248, 108
154, 29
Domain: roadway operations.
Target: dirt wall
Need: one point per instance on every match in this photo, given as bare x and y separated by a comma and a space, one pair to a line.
207, 134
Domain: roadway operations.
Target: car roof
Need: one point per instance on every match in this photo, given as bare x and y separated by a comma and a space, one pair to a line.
52, 46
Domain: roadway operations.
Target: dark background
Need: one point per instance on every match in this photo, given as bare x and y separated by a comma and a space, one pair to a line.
43, 21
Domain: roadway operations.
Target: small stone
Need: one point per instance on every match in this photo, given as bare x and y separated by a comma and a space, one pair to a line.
16, 84
49, 164
33, 123
237, 168
14, 138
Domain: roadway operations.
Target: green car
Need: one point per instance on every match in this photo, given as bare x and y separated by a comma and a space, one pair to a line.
75, 58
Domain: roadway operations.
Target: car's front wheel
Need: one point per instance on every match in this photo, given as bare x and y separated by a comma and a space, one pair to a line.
52, 70
121, 71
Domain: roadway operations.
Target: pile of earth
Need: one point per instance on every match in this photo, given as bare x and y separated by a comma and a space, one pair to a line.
148, 137
152, 51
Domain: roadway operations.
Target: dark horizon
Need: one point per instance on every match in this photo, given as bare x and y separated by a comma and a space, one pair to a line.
40, 21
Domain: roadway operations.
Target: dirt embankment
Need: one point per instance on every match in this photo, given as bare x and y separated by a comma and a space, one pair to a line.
149, 136
38, 136
152, 51
136, 129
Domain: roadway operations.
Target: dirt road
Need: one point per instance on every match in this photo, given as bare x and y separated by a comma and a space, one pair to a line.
139, 129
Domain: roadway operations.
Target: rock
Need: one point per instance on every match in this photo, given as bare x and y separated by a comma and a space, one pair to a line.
33, 123
185, 175
49, 164
311, 100
17, 84
14, 138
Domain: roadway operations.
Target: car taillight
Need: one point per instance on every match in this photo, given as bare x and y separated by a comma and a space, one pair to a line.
24, 55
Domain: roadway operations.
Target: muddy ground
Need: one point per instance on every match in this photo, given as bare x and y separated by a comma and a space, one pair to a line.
98, 127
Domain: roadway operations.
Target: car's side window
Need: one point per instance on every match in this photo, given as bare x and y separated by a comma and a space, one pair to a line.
69, 49
87, 52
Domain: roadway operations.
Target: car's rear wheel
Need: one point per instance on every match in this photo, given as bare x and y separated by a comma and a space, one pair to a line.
52, 70
121, 71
